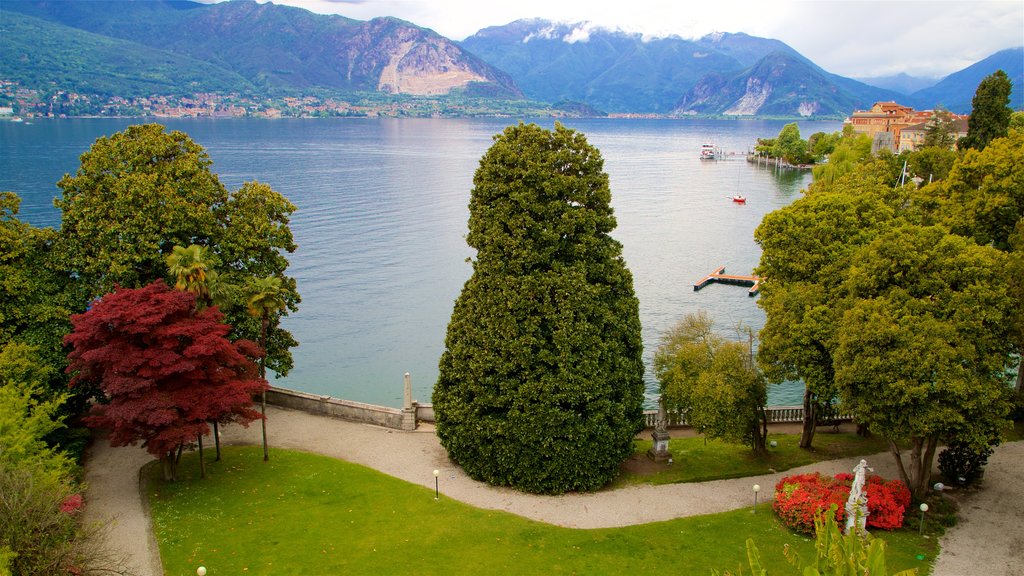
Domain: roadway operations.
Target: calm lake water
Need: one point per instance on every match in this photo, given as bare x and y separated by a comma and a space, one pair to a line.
383, 215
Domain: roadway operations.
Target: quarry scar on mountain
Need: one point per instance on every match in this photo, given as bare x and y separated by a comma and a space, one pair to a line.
423, 69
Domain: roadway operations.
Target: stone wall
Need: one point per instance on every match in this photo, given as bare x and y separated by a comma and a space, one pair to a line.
337, 408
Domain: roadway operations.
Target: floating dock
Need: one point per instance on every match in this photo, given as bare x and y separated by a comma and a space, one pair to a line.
717, 276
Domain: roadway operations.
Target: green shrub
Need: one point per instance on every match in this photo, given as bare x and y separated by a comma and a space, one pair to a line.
963, 464
541, 382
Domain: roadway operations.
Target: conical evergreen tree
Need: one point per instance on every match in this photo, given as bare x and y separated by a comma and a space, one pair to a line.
990, 111
541, 383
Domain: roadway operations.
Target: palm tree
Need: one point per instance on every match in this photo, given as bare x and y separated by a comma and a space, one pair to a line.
266, 300
190, 267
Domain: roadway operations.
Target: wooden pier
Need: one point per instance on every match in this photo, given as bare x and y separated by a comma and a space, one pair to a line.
717, 276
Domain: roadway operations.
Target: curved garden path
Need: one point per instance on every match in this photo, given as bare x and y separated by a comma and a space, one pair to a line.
988, 536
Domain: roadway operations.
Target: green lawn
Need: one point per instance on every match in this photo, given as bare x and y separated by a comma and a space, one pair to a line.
307, 514
697, 460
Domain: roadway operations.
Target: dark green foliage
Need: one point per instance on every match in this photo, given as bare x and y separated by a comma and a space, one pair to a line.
790, 146
245, 47
990, 112
34, 300
140, 192
940, 130
931, 164
962, 464
541, 382
49, 55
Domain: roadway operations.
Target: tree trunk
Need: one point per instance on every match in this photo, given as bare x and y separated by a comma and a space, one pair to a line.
167, 466
760, 433
202, 462
216, 440
810, 415
922, 452
263, 395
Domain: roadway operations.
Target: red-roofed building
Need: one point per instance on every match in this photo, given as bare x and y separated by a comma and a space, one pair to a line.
886, 123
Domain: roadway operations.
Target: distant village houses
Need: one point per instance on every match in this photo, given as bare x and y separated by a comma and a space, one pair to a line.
898, 128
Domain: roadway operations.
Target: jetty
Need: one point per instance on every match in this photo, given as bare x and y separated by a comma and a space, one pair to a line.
719, 276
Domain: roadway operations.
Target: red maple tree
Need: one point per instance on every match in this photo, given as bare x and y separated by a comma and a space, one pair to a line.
166, 370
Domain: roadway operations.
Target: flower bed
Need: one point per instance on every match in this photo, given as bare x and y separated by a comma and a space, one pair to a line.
799, 498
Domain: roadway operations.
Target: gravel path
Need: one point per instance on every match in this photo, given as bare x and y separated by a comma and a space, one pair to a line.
980, 540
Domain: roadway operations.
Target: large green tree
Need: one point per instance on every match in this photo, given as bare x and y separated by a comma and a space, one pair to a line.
714, 381
541, 382
847, 153
141, 192
34, 304
922, 351
790, 146
990, 111
940, 129
983, 198
806, 250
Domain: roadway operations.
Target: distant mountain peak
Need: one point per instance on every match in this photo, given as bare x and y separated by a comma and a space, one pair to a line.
779, 84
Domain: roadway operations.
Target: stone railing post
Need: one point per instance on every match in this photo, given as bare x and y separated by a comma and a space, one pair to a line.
408, 410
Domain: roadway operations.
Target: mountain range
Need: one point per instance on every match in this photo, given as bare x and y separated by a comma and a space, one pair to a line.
174, 47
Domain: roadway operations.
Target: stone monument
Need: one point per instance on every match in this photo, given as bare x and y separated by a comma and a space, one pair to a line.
408, 410
659, 450
857, 503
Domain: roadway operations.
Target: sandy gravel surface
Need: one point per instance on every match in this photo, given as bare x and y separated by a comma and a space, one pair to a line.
989, 538
112, 475
114, 498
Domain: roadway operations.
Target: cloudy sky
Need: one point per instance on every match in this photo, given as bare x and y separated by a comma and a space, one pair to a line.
855, 38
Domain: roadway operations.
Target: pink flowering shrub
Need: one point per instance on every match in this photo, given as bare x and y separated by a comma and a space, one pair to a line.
72, 504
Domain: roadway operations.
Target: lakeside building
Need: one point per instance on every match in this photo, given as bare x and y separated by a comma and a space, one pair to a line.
912, 137
897, 127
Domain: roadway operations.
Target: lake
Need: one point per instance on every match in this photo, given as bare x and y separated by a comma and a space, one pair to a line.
382, 217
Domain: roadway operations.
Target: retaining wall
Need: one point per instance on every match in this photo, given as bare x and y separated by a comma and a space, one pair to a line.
398, 419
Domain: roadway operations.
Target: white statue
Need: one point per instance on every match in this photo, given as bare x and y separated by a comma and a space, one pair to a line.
857, 503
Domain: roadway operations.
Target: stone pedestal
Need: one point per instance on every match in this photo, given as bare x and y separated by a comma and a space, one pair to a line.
409, 419
659, 451
408, 406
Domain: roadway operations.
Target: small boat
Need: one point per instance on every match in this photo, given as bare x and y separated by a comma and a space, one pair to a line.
709, 152
739, 199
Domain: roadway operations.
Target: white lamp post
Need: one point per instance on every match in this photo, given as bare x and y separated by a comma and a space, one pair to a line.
436, 474
757, 488
924, 508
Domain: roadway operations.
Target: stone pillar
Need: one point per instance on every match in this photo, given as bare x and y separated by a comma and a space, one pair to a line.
659, 450
408, 410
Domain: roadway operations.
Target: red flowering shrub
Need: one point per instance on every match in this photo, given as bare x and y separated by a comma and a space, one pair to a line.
799, 498
886, 503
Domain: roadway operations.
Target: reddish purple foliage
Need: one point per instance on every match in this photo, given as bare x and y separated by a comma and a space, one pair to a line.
166, 369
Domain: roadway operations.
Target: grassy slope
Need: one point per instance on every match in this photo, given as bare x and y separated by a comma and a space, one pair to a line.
307, 514
696, 460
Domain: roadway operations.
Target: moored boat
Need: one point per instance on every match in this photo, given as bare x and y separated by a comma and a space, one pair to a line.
709, 152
